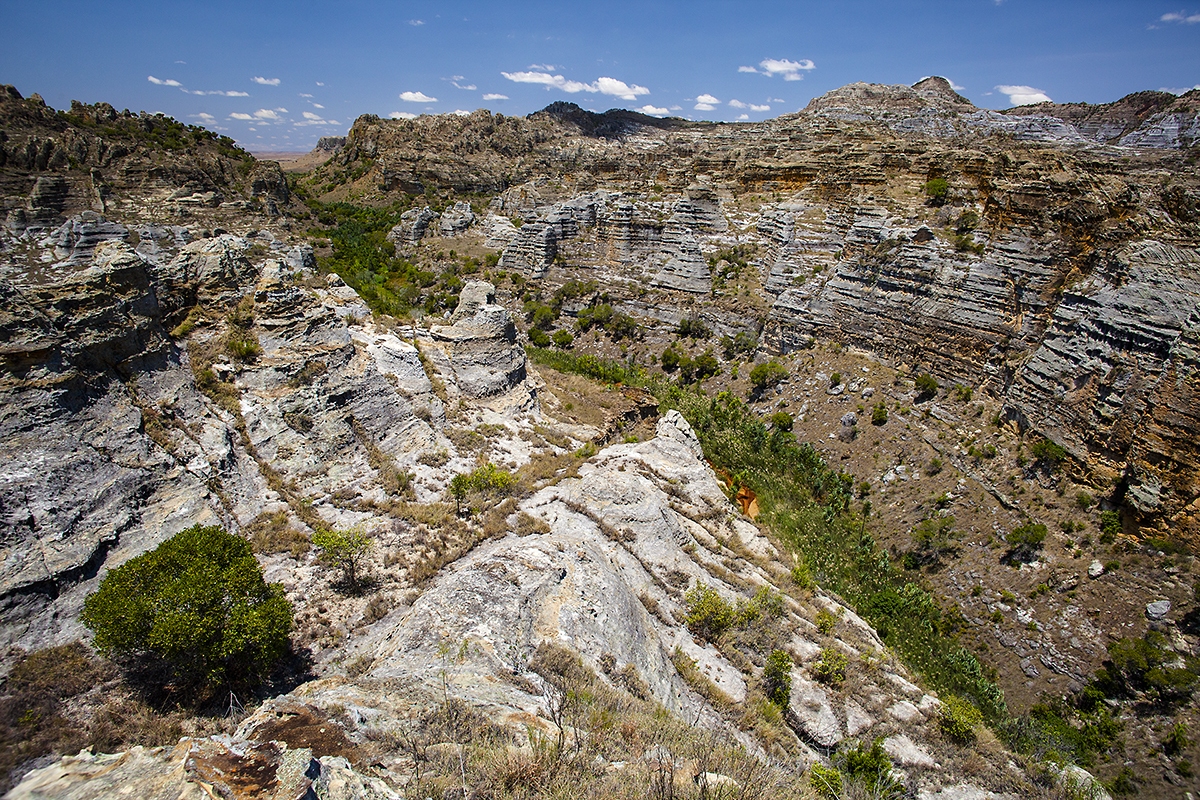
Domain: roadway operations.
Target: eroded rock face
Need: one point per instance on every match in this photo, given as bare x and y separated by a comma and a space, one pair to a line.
481, 342
120, 433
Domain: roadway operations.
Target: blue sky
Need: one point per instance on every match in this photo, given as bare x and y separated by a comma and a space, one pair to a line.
276, 76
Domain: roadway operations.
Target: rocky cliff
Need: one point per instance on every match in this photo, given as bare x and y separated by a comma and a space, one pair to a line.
173, 354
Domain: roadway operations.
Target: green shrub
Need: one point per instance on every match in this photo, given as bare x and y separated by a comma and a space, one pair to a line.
489, 481
243, 348
835, 379
744, 343
1025, 540
1176, 740
708, 614
937, 190
935, 537
562, 339
831, 666
766, 376
825, 781
777, 678
1110, 526
802, 576
692, 328
871, 767
782, 421
195, 610
927, 386
958, 720
879, 414
826, 621
539, 338
963, 393
344, 550
700, 368
1048, 453
670, 359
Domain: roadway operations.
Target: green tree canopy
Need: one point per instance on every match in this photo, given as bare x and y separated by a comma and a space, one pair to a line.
195, 611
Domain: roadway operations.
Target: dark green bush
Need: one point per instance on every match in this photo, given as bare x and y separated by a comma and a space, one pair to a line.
1025, 540
927, 386
777, 678
195, 610
766, 376
1048, 453
539, 338
782, 421
692, 328
958, 720
879, 414
562, 339
1110, 526
937, 190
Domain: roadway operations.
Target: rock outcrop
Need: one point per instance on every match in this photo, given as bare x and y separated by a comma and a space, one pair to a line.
481, 342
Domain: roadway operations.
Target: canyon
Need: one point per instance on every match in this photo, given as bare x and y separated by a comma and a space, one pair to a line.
182, 345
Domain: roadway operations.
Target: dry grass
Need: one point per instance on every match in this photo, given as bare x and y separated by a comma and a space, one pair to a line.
273, 533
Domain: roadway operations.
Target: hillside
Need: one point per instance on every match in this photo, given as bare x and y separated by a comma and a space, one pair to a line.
901, 390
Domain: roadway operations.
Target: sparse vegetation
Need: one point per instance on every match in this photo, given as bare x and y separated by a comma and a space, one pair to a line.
344, 550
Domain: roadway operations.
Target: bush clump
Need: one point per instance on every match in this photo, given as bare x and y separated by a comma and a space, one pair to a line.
777, 678
927, 386
194, 611
958, 720
831, 666
1025, 540
766, 376
709, 615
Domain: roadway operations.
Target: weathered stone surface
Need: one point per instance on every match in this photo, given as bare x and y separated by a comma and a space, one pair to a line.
1158, 609
456, 219
533, 249
414, 225
481, 342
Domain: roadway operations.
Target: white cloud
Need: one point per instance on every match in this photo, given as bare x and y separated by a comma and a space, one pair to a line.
653, 111
458, 112
416, 22
240, 115
743, 116
161, 82
271, 114
417, 97
319, 83
494, 96
676, 108
402, 115
218, 92
317, 105
747, 69
776, 99
305, 94
470, 87
311, 115
737, 104
790, 70
315, 119
542, 67
1024, 95
706, 102
266, 81
180, 62
1181, 17
603, 85
753, 107
204, 117
620, 89
1180, 91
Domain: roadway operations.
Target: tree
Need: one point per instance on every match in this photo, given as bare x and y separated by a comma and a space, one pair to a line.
766, 376
195, 611
344, 550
